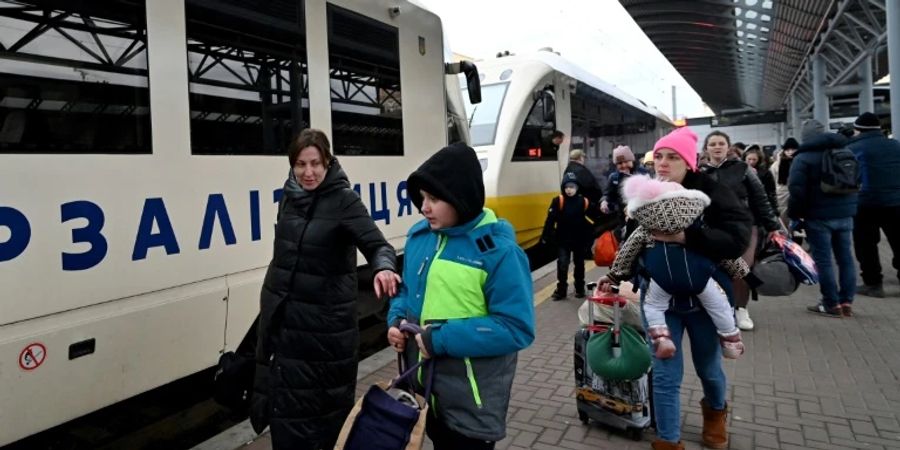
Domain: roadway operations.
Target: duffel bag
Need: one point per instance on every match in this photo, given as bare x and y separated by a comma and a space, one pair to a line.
628, 360
775, 275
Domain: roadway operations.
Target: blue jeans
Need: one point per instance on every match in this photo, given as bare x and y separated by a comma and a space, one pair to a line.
668, 373
827, 237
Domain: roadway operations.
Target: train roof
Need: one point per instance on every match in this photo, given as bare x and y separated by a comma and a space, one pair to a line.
568, 68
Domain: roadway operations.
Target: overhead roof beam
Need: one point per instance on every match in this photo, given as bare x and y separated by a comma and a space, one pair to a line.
857, 24
855, 42
757, 52
862, 24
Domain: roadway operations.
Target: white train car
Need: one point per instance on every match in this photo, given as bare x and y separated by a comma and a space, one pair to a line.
524, 99
142, 149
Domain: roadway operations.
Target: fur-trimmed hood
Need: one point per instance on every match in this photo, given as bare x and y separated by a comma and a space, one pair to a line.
663, 205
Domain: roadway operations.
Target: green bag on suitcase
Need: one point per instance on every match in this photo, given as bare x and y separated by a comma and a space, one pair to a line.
628, 361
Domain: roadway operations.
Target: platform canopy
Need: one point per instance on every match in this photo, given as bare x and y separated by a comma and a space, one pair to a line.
750, 55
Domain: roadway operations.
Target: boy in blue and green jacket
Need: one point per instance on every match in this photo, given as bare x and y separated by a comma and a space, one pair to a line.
468, 284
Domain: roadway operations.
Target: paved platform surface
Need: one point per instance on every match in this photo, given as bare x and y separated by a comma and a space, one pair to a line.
806, 381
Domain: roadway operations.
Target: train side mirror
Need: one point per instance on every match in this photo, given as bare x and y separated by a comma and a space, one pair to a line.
473, 80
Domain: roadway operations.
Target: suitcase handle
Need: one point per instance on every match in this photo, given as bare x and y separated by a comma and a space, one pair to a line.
609, 300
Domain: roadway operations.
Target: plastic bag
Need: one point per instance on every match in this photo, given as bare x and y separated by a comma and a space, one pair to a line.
605, 249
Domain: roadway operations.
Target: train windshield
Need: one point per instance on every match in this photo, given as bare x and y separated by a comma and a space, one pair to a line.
483, 116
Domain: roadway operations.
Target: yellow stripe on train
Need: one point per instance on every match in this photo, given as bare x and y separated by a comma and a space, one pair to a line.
525, 212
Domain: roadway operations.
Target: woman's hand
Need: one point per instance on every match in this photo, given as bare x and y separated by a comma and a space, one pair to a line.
397, 338
604, 284
677, 238
386, 283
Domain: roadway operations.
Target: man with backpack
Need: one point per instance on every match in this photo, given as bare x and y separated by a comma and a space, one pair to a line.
879, 200
823, 186
569, 226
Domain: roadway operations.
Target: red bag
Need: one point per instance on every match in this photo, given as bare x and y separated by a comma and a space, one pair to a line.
605, 248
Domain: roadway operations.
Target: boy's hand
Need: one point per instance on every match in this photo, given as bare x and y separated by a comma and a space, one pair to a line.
397, 338
421, 343
604, 207
422, 346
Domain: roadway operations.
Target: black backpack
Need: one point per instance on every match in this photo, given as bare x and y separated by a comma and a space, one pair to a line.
840, 172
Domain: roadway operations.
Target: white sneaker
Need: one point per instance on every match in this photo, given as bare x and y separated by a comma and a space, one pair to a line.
742, 317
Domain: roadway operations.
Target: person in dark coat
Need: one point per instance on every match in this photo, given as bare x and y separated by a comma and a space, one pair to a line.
583, 176
827, 218
624, 158
308, 336
879, 200
742, 180
569, 226
612, 203
781, 168
756, 159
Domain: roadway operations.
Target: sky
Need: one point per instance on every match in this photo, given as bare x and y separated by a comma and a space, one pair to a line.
597, 35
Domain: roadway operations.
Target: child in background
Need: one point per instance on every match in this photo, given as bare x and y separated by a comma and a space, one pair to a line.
569, 227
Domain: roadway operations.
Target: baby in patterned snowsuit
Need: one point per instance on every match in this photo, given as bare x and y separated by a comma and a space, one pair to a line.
674, 271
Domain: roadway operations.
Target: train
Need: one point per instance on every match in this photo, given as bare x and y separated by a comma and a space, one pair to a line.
142, 155
525, 99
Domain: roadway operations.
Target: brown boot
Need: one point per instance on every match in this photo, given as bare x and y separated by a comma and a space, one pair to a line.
666, 445
715, 433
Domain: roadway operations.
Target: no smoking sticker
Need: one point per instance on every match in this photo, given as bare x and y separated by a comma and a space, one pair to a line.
32, 356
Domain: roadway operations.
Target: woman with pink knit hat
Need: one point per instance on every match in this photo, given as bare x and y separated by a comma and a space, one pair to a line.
722, 234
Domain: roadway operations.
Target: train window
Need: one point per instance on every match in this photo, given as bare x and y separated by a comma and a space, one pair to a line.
366, 105
73, 77
535, 140
483, 117
247, 68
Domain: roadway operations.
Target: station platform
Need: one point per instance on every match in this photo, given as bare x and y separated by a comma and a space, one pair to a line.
805, 381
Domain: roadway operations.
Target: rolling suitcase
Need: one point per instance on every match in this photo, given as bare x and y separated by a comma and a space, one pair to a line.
620, 404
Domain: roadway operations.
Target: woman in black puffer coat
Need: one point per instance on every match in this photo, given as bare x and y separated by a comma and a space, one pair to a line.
735, 175
308, 337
